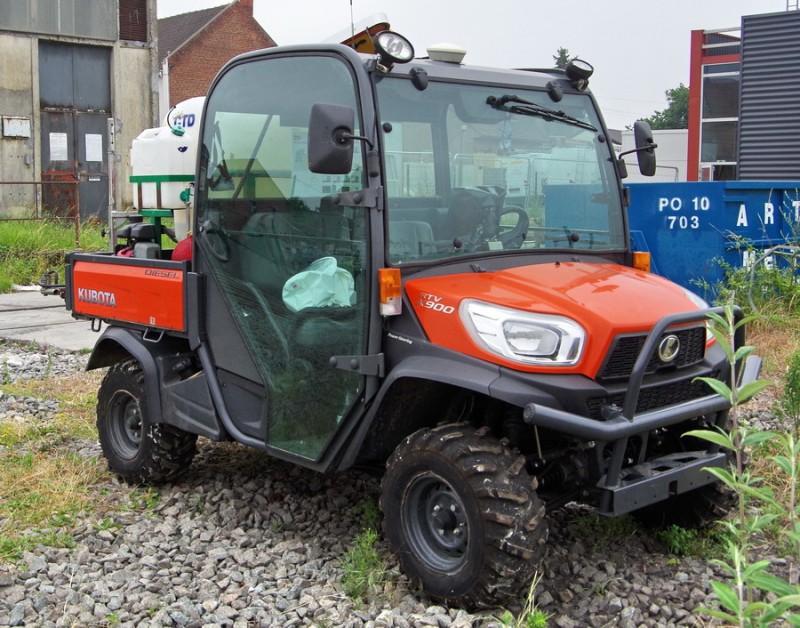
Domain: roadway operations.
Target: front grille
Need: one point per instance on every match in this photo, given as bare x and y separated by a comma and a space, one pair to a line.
654, 397
626, 349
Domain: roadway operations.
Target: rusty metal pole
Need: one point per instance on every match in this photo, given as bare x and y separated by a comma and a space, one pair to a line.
77, 214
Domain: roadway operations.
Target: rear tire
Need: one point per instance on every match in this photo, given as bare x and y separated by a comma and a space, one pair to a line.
463, 516
139, 451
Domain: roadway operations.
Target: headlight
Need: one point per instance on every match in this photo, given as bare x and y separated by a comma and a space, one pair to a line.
701, 304
541, 339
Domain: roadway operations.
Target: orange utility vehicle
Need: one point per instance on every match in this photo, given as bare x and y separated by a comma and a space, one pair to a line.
425, 267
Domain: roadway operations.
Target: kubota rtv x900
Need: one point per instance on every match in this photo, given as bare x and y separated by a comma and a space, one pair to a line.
425, 266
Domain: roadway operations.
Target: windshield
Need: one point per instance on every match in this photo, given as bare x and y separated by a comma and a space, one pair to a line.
478, 169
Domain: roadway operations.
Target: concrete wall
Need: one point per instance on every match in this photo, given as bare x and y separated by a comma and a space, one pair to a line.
134, 107
134, 104
18, 155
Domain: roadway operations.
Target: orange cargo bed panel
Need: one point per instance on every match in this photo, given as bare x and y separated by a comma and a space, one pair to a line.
151, 296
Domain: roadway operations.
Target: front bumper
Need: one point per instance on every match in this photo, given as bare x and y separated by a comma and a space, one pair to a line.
658, 479
622, 490
586, 428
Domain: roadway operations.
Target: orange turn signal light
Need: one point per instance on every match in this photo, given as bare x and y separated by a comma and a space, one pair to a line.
641, 261
390, 290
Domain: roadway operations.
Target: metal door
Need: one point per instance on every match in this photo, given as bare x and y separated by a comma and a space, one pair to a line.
58, 164
75, 101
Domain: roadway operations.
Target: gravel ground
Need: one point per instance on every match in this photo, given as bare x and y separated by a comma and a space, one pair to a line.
245, 540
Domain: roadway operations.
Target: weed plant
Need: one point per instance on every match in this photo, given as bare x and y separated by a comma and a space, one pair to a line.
531, 615
770, 293
754, 596
789, 404
146, 498
768, 287
365, 570
681, 542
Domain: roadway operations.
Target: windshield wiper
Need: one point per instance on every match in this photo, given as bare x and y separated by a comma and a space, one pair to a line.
528, 108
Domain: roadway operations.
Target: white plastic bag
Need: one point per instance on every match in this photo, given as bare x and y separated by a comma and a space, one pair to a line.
322, 284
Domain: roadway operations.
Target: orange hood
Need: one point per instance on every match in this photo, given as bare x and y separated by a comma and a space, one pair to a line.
605, 299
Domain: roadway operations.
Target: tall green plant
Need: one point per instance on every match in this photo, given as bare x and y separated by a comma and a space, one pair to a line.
788, 460
789, 405
755, 597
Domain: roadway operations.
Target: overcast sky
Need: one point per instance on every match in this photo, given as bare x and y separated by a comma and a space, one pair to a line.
639, 48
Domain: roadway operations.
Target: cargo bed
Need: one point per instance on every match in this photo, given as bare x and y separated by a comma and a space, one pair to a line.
147, 294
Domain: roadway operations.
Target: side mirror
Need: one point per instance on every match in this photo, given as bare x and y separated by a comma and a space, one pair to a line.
330, 139
645, 148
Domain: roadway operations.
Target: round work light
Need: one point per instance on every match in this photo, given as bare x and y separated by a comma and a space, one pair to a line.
393, 48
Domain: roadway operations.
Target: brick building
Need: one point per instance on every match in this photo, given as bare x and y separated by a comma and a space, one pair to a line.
192, 47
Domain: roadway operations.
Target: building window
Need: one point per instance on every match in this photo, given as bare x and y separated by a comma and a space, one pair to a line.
133, 20
719, 125
720, 96
719, 141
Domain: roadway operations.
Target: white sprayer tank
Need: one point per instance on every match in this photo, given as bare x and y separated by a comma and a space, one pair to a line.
163, 163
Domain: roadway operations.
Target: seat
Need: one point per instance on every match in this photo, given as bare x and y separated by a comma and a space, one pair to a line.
267, 259
409, 240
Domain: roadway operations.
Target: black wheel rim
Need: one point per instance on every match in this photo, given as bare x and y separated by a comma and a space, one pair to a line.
435, 523
125, 424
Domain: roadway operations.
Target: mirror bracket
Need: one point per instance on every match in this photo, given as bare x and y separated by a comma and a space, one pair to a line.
637, 150
368, 197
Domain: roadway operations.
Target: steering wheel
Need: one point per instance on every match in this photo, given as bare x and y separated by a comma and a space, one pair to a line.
513, 237
217, 240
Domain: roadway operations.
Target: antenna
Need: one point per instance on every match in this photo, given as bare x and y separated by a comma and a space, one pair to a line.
352, 24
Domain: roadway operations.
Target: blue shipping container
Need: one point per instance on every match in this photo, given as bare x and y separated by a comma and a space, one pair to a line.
689, 228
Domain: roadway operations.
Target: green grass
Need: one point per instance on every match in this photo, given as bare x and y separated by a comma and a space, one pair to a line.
600, 532
365, 570
42, 494
12, 547
46, 487
702, 543
146, 498
28, 248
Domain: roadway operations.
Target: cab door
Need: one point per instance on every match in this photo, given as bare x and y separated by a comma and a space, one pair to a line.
285, 262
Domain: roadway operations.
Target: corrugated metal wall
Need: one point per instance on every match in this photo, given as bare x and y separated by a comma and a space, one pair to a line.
94, 19
769, 116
